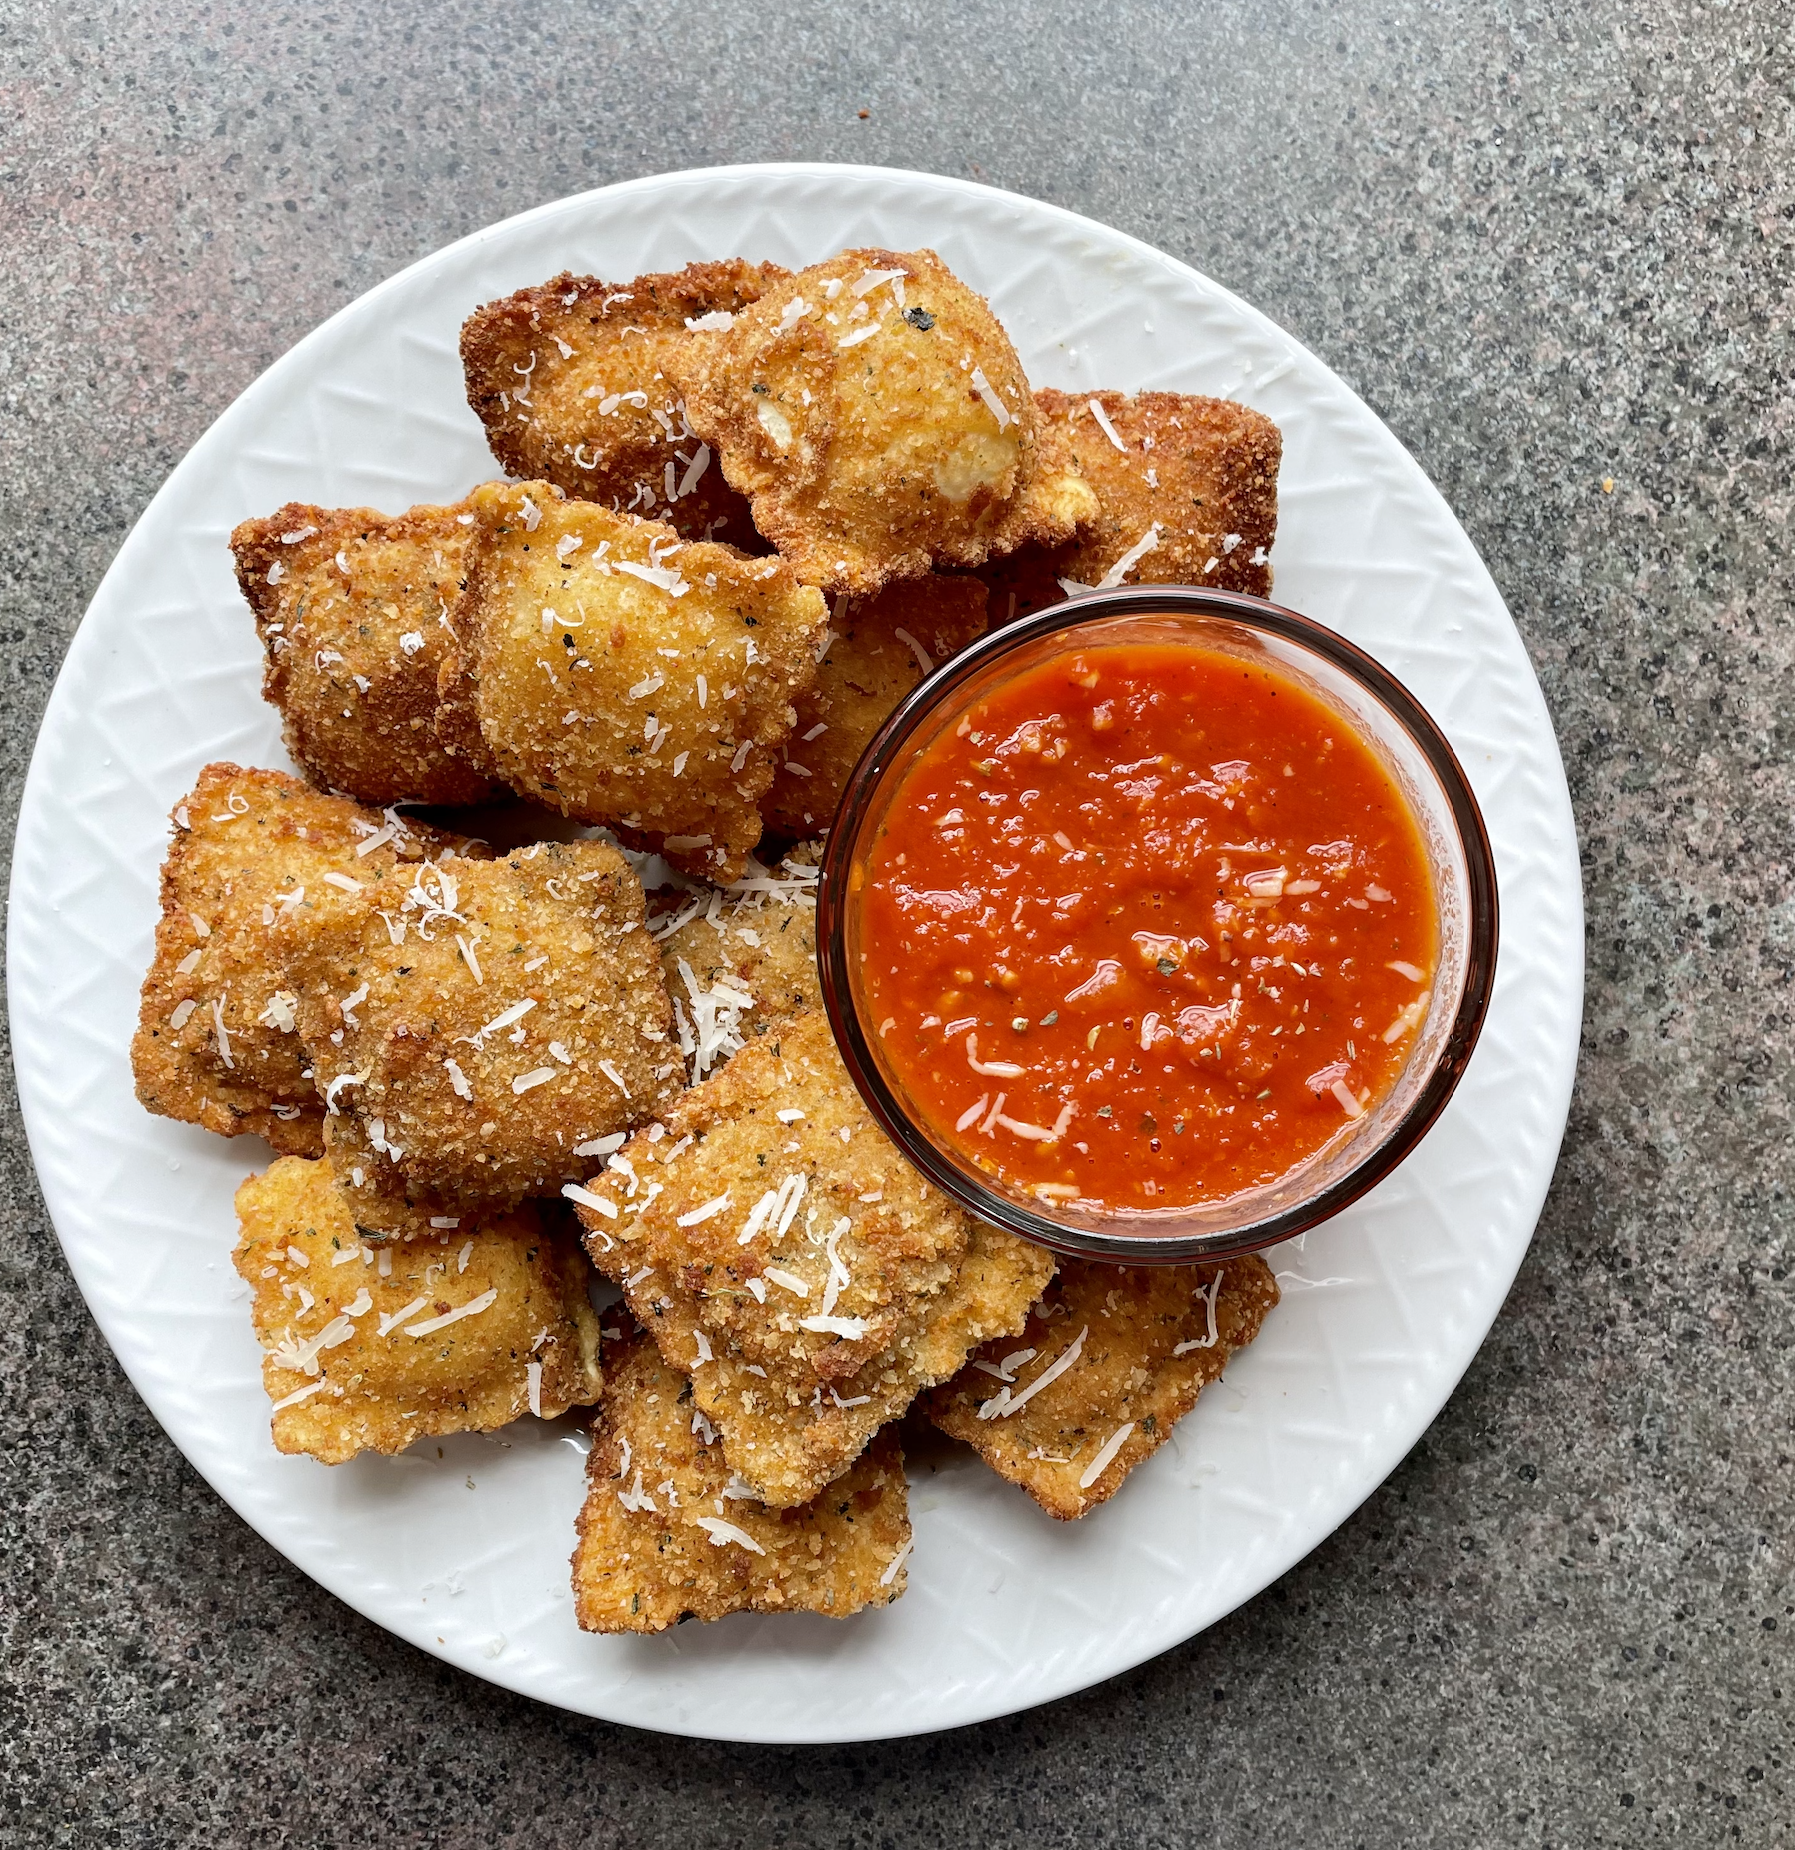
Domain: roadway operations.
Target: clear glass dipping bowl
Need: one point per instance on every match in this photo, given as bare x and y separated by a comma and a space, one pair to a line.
1415, 752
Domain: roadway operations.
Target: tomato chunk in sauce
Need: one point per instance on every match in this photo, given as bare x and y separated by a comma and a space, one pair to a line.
1149, 928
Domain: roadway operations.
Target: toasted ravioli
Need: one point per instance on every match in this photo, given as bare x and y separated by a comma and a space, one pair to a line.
572, 381
625, 677
741, 959
787, 1257
667, 1534
486, 1018
461, 1330
253, 852
1197, 476
879, 649
1123, 1351
876, 415
354, 609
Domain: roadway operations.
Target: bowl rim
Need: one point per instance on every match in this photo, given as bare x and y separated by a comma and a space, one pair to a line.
938, 689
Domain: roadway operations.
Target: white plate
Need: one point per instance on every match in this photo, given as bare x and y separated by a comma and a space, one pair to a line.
467, 1556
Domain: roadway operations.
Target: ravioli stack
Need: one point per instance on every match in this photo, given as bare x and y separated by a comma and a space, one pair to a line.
752, 509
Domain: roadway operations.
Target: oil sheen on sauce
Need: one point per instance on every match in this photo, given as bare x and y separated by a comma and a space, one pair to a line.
1153, 925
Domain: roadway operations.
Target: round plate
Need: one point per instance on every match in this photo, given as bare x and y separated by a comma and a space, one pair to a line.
462, 1548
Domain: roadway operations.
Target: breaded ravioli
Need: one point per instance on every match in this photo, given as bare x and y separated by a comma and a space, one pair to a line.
785, 1255
355, 611
741, 959
667, 1532
876, 415
625, 677
1112, 1358
1193, 481
253, 851
461, 1330
486, 1019
879, 649
571, 380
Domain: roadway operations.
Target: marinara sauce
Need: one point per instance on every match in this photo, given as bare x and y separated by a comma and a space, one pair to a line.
1153, 926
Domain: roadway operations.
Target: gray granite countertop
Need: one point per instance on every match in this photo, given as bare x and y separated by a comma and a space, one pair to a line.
1552, 247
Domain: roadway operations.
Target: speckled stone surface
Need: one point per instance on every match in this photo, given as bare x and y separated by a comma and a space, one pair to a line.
1553, 248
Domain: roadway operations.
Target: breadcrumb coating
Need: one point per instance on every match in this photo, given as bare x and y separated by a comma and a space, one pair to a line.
667, 1532
784, 1254
1199, 474
875, 413
572, 381
355, 611
486, 1019
250, 851
462, 1330
625, 677
876, 655
1144, 1340
756, 940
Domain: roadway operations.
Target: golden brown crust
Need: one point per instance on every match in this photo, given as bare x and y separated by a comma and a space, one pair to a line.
250, 848
457, 718
874, 458
588, 630
755, 939
354, 609
567, 378
871, 664
857, 1285
348, 1328
487, 1018
1203, 471
1128, 1325
645, 1558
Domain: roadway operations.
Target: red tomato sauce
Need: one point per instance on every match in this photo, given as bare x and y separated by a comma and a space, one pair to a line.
1154, 925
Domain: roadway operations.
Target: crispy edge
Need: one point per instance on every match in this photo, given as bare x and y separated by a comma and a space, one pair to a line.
1129, 1374
400, 704
1226, 458
640, 1563
553, 427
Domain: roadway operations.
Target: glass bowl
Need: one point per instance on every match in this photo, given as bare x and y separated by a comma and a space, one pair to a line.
1415, 753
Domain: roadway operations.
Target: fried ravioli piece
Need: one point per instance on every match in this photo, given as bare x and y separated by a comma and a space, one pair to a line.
880, 648
487, 1018
785, 1255
370, 1349
1112, 1358
572, 381
754, 939
873, 410
252, 851
352, 607
625, 677
1197, 476
666, 1533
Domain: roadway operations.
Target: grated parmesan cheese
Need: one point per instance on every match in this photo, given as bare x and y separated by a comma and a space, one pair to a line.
1098, 1465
